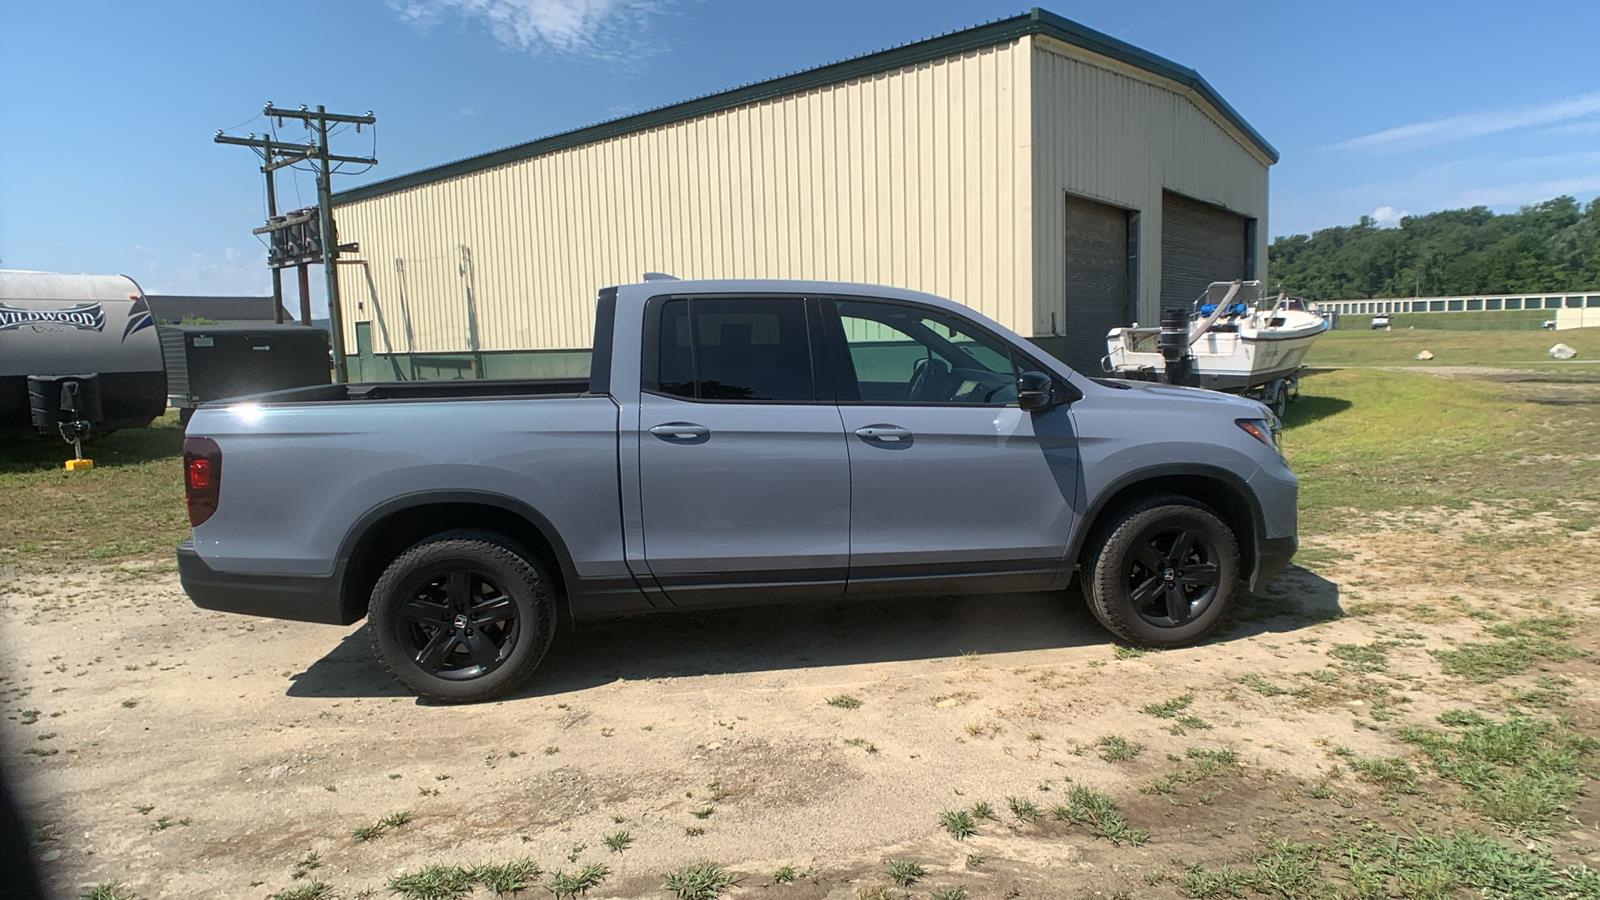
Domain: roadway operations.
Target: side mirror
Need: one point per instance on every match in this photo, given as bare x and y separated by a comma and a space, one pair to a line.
1033, 390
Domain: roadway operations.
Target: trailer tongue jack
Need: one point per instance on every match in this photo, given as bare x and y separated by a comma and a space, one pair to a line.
73, 414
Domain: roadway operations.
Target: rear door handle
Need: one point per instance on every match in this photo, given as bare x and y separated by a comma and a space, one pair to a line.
888, 434
681, 431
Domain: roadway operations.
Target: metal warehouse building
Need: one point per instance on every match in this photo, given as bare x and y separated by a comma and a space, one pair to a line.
1050, 176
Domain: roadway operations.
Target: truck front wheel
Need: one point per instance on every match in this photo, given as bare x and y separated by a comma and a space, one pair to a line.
1163, 572
462, 616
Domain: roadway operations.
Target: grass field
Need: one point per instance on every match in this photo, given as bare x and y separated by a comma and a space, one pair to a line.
130, 505
1410, 713
1508, 349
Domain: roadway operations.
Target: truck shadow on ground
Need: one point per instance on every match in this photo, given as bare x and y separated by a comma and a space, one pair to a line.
801, 636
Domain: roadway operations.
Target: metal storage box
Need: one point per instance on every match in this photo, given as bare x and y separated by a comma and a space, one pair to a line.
215, 362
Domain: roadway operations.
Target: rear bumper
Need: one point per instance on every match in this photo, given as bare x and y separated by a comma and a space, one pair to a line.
299, 597
1272, 557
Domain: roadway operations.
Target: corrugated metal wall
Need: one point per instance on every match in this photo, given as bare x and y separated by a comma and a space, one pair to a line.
918, 178
1118, 135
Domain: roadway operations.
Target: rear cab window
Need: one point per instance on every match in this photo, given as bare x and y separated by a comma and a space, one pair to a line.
754, 349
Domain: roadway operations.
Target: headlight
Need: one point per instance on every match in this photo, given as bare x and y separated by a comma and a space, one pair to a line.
1264, 430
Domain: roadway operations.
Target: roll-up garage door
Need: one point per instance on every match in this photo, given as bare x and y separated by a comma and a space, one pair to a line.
1200, 243
1098, 298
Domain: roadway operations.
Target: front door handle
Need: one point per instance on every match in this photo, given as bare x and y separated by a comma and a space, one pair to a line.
681, 432
888, 434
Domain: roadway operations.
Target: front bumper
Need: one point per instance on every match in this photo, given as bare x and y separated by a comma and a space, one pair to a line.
303, 598
1272, 557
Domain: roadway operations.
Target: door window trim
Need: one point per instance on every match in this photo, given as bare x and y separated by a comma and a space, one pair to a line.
822, 380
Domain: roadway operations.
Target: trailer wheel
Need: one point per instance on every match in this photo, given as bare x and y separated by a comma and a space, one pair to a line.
1279, 394
1162, 572
462, 616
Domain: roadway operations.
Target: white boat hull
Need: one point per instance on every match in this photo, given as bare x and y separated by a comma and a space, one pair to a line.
1243, 355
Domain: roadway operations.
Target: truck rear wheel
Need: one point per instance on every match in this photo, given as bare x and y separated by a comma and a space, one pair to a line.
1163, 572
462, 616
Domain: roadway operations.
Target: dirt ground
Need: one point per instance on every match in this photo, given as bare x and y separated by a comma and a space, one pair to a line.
187, 753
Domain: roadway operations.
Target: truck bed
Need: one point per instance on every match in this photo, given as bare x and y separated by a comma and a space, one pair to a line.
420, 390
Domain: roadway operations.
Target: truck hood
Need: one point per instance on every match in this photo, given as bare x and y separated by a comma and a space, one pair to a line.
1148, 391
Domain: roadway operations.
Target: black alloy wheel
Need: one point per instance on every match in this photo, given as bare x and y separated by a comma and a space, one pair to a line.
458, 624
1173, 575
1160, 571
462, 616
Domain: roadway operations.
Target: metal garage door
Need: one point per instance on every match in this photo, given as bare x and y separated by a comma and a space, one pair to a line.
1200, 243
1098, 298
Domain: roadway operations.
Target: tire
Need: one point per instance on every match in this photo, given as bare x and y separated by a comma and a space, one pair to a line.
456, 650
1280, 399
1121, 570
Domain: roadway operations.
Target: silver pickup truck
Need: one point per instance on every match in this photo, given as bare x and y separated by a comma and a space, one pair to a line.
736, 442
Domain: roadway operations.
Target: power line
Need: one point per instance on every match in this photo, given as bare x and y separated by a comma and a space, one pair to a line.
311, 241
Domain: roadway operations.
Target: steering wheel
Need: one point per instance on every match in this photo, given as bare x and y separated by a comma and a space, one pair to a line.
919, 378
931, 380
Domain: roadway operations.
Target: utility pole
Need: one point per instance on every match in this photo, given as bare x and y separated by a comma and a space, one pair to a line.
272, 211
294, 240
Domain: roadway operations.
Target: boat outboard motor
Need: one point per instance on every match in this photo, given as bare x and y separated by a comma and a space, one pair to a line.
68, 405
1174, 343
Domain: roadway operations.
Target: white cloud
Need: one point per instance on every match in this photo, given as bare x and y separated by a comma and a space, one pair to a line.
1455, 128
1590, 126
604, 29
1387, 216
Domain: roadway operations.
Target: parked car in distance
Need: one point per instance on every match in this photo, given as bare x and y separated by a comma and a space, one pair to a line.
1381, 320
736, 442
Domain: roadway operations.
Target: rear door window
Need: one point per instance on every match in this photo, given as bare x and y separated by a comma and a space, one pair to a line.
750, 349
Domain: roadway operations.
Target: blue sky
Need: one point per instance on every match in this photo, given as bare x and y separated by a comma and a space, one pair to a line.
107, 109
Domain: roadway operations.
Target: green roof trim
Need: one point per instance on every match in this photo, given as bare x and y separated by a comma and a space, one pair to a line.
1036, 22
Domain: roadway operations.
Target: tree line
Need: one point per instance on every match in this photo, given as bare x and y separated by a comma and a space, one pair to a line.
1547, 247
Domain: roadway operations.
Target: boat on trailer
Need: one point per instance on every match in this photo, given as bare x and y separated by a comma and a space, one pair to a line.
1229, 341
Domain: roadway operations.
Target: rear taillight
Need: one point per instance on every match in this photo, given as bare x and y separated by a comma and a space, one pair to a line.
202, 477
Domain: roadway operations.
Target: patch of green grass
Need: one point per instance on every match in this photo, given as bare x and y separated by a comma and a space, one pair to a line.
1517, 342
1354, 442
109, 890
1518, 772
699, 881
1099, 812
1175, 710
1203, 764
1373, 657
376, 829
437, 882
1283, 869
135, 488
563, 885
306, 865
785, 875
1517, 646
950, 893
861, 743
618, 841
1024, 810
1124, 651
959, 823
1388, 772
844, 701
1259, 683
1437, 867
310, 890
1546, 692
983, 810
904, 872
1116, 748
504, 878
